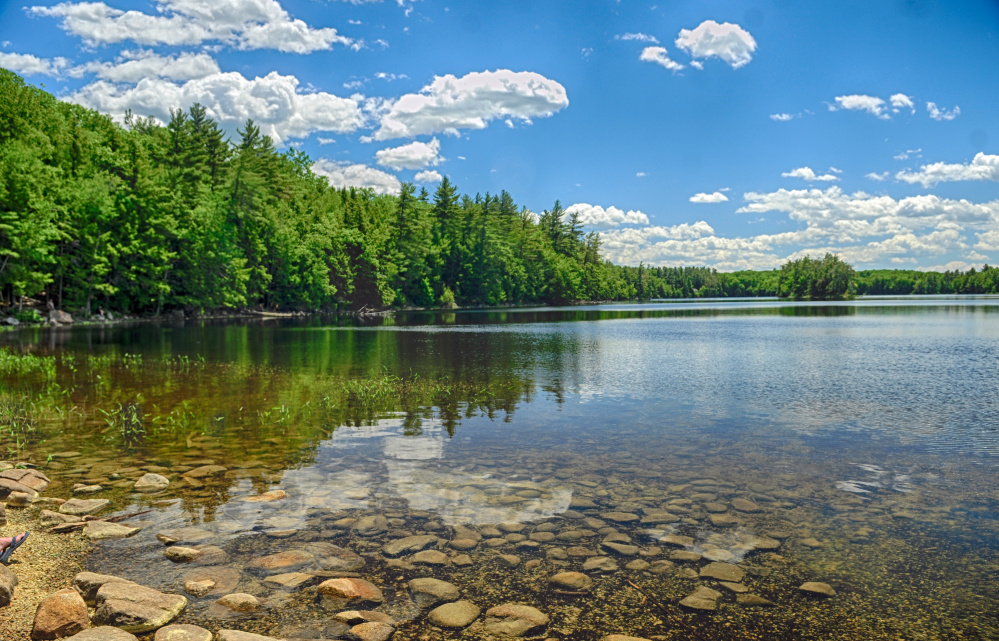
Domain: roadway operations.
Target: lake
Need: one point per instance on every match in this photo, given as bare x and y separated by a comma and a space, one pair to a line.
852, 444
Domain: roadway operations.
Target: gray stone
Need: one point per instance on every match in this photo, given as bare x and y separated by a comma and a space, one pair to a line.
88, 583
429, 557
136, 608
722, 572
409, 545
8, 580
514, 620
428, 592
149, 483
80, 507
620, 548
61, 317
102, 633
100, 530
371, 525
600, 564
182, 632
702, 599
454, 615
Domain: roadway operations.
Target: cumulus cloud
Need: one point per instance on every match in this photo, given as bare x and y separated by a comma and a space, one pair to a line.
784, 117
859, 102
429, 176
27, 64
641, 37
246, 24
659, 56
727, 41
902, 101
806, 173
938, 114
345, 174
876, 176
274, 102
449, 104
133, 66
716, 197
415, 155
600, 218
988, 240
982, 167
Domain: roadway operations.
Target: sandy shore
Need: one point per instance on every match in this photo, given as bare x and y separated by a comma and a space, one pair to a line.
45, 563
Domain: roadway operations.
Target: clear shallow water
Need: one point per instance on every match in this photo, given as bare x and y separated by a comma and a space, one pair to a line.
865, 433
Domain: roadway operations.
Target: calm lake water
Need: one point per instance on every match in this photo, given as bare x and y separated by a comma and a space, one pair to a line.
852, 444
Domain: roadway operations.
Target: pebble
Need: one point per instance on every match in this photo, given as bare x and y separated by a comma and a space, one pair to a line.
459, 614
600, 564
514, 620
571, 581
429, 557
817, 588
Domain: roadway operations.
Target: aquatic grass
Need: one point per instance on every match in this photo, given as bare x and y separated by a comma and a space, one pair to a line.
125, 423
12, 363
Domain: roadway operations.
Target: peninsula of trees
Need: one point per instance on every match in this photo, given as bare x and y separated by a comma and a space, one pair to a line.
145, 218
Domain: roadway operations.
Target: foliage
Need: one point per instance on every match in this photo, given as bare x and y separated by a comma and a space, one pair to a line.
811, 278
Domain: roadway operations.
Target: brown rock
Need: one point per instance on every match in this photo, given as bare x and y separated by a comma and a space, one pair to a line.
351, 591
267, 497
80, 507
102, 633
571, 581
184, 535
745, 505
8, 580
459, 614
60, 615
514, 620
239, 602
136, 608
751, 600
283, 560
817, 589
722, 572
373, 631
182, 632
702, 599
88, 583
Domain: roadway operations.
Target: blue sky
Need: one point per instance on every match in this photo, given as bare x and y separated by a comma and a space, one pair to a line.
729, 134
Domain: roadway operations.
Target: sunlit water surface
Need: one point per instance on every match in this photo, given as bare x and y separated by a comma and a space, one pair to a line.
853, 444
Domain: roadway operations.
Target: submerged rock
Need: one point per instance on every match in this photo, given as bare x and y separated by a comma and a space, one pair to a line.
149, 483
571, 581
723, 572
702, 599
818, 589
459, 614
100, 530
350, 591
428, 592
514, 620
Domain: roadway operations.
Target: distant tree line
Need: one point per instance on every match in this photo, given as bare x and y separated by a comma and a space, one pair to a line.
144, 218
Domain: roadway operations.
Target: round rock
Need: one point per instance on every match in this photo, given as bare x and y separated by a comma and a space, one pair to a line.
571, 581
454, 615
182, 632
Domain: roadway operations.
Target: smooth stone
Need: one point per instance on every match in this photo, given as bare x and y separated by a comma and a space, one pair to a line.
511, 528
428, 592
290, 580
620, 548
509, 560
637, 565
753, 600
136, 608
238, 635
89, 583
205, 471
462, 560
199, 587
100, 530
102, 633
514, 620
702, 599
267, 497
352, 591
745, 505
716, 508
410, 544
373, 631
239, 602
659, 516
620, 517
459, 614
353, 617
48, 517
661, 567
429, 557
60, 615
182, 632
811, 543
723, 572
8, 581
149, 483
684, 555
817, 588
183, 535
88, 489
463, 544
371, 525
677, 540
738, 588
224, 578
81, 507
542, 537
723, 520
572, 581
181, 554
600, 564
31, 478
283, 560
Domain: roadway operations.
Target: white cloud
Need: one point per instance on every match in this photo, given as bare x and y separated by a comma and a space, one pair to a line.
784, 117
858, 102
246, 24
904, 155
429, 176
876, 176
382, 75
344, 174
806, 173
449, 103
937, 114
133, 66
982, 167
325, 141
274, 102
988, 240
902, 101
659, 56
415, 155
27, 64
716, 197
640, 174
727, 41
600, 218
640, 37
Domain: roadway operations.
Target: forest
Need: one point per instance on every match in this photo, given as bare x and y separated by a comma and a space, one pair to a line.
145, 218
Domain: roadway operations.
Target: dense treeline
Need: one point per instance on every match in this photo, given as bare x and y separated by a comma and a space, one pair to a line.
145, 218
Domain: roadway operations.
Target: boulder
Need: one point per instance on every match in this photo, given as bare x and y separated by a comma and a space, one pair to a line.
102, 633
80, 507
100, 530
514, 620
136, 608
61, 317
429, 592
8, 580
61, 614
182, 632
88, 583
21, 499
9, 485
27, 477
149, 483
454, 615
